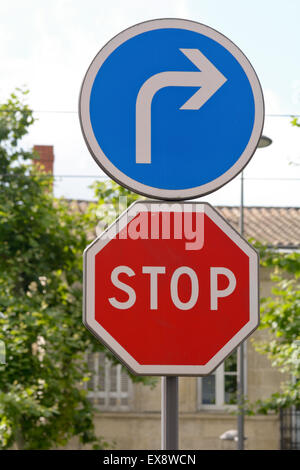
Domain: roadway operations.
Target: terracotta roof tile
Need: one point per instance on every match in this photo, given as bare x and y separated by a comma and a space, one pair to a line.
276, 226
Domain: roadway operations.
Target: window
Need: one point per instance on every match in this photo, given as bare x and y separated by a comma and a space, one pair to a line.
290, 428
219, 390
109, 388
2, 352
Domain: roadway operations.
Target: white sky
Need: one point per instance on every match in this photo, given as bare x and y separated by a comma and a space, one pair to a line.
48, 46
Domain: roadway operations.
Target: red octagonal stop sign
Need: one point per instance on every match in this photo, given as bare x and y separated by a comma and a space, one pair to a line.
171, 288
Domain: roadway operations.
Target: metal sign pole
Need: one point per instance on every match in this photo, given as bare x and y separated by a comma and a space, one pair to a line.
169, 413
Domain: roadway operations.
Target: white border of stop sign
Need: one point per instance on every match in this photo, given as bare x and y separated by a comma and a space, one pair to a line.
89, 289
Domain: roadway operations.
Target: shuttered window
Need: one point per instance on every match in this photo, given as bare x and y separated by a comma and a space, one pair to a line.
110, 388
219, 389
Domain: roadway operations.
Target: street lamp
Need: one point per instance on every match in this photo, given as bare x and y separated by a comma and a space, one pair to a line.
264, 141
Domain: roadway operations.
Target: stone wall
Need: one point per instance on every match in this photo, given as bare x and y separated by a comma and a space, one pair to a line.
196, 431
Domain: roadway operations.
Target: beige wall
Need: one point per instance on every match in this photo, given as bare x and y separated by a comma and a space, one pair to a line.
196, 431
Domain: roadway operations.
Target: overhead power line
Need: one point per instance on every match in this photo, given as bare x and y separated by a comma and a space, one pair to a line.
104, 177
52, 111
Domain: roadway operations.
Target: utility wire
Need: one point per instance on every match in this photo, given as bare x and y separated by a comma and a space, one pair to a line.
44, 111
104, 177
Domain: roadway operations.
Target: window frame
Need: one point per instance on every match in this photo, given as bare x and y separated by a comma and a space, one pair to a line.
94, 394
219, 374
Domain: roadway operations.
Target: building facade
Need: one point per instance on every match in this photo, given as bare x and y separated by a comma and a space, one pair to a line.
128, 416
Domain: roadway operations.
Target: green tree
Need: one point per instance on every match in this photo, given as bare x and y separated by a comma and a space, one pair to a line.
280, 315
43, 400
111, 201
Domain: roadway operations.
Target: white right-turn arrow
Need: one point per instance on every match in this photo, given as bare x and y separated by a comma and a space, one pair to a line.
209, 78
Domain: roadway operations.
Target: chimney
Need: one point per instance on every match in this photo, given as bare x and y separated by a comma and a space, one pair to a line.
46, 160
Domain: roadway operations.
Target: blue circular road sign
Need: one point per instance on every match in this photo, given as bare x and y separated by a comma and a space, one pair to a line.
171, 109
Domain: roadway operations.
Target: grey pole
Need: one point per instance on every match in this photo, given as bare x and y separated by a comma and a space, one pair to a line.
263, 142
242, 206
169, 413
241, 385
